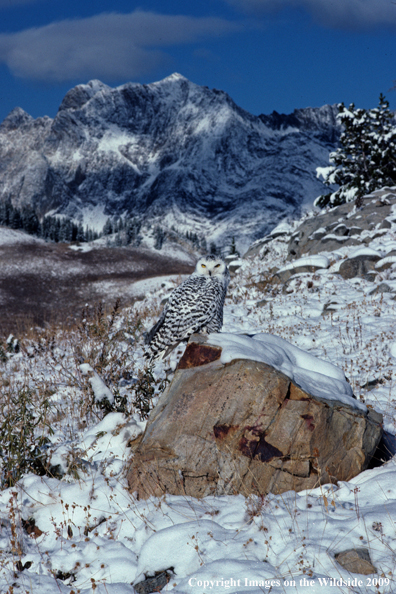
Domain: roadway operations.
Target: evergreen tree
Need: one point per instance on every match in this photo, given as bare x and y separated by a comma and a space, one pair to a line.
213, 248
15, 221
5, 210
30, 221
233, 250
366, 159
107, 228
159, 235
132, 229
80, 233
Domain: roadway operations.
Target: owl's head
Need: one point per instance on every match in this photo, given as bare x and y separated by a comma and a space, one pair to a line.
211, 266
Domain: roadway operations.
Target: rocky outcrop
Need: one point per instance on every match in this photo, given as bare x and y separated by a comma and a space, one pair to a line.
245, 427
344, 225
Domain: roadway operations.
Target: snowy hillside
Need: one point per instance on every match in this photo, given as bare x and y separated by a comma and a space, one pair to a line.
171, 152
82, 531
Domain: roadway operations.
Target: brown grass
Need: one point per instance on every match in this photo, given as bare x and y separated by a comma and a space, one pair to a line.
50, 284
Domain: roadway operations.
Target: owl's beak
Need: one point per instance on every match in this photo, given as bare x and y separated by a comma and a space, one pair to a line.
210, 273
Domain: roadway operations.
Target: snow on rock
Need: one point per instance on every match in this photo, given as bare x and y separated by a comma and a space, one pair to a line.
364, 252
160, 551
283, 227
313, 375
317, 261
101, 391
387, 261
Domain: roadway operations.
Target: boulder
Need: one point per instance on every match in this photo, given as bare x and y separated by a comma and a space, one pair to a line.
385, 263
234, 266
359, 265
243, 426
383, 288
302, 265
356, 561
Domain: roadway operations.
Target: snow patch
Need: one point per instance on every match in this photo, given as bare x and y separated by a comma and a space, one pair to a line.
315, 376
101, 391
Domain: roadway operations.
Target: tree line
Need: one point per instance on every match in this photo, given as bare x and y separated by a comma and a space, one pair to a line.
49, 228
63, 229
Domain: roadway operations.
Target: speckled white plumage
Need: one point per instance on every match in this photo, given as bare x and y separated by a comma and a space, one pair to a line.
194, 306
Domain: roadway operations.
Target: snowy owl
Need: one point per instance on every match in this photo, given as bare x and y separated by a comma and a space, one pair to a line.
194, 306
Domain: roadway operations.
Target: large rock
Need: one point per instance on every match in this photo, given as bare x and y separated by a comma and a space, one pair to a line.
244, 427
360, 265
302, 265
344, 225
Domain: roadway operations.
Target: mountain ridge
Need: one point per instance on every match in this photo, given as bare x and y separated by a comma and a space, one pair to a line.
171, 153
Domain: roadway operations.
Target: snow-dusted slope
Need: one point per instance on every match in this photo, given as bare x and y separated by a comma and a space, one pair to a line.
82, 531
172, 152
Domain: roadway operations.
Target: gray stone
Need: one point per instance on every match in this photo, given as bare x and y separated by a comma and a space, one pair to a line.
330, 307
358, 266
382, 288
385, 265
155, 583
371, 276
321, 232
341, 229
245, 427
262, 302
283, 276
385, 224
355, 230
356, 561
233, 267
255, 248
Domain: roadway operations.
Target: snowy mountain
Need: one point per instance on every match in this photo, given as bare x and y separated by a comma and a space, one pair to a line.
171, 152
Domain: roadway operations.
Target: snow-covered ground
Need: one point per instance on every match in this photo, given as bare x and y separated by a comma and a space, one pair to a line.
10, 237
82, 531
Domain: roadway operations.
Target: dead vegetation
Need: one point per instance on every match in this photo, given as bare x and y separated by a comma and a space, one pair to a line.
50, 283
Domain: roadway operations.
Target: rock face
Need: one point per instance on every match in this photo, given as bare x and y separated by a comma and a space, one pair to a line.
172, 152
343, 225
245, 427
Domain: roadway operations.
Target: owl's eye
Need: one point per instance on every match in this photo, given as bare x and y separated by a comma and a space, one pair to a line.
203, 265
217, 265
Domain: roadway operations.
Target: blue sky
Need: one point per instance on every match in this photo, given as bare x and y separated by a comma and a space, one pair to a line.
267, 54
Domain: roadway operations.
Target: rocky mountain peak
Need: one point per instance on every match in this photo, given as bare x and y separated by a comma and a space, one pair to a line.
77, 97
15, 119
172, 153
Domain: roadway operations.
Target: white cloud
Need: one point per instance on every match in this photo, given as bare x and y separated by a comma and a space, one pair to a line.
340, 14
108, 46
